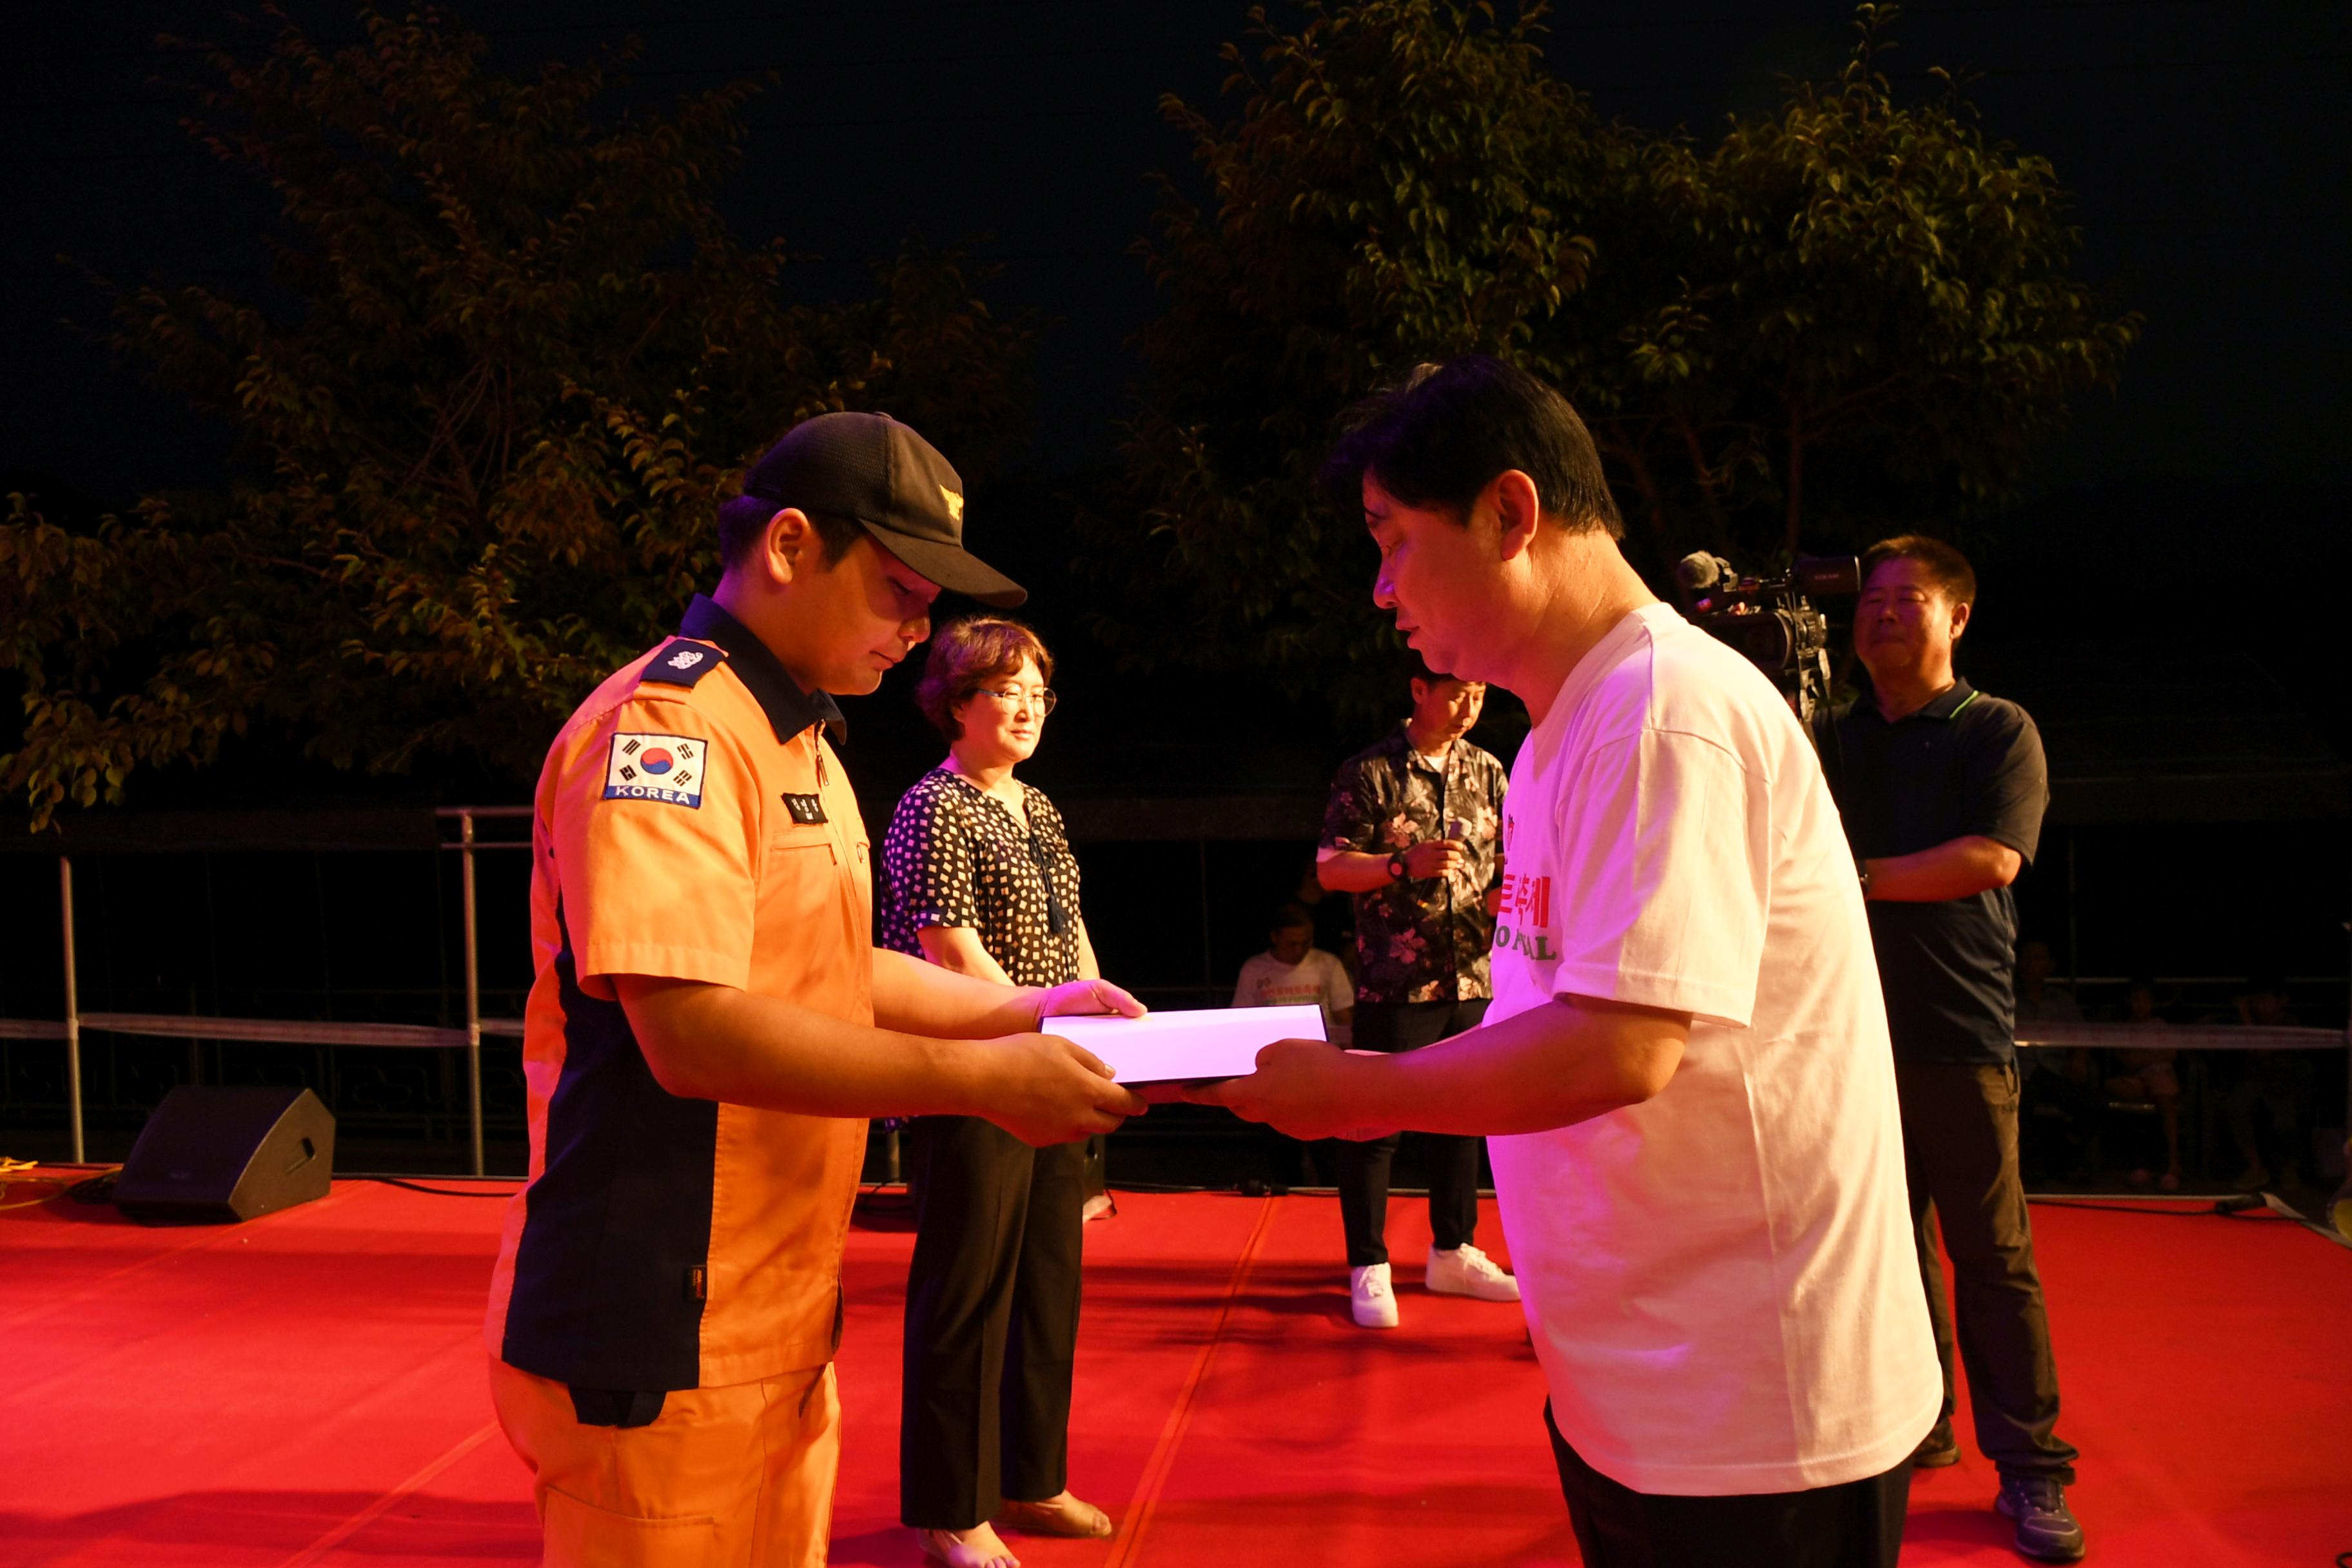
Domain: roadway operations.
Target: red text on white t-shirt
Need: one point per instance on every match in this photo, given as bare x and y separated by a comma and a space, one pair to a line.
1523, 917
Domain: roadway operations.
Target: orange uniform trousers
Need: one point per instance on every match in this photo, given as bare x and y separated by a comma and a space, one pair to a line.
741, 1475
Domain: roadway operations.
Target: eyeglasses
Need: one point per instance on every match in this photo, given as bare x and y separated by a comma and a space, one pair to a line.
1013, 695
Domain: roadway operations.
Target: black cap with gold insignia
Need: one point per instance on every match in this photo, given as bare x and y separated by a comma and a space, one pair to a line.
872, 469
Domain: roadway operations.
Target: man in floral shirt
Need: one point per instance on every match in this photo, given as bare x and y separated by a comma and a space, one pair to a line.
1412, 830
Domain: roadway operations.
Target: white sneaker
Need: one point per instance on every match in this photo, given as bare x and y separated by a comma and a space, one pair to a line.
1466, 1271
1370, 1298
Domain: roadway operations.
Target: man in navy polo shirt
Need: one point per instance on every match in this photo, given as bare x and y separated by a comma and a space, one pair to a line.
1942, 788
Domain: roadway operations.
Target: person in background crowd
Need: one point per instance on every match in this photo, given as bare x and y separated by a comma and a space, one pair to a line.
1412, 828
980, 880
2058, 1090
2280, 1082
1334, 915
1294, 972
1942, 788
2149, 1075
2039, 1001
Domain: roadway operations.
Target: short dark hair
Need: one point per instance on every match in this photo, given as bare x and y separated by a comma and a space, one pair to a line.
1437, 438
1947, 568
743, 520
1417, 668
1290, 915
967, 653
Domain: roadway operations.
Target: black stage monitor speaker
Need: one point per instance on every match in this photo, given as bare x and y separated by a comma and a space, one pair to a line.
210, 1155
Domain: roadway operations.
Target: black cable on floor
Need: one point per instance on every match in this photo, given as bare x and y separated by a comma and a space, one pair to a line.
441, 1192
98, 1189
2224, 1208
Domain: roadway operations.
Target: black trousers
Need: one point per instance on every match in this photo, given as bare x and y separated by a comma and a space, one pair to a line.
1858, 1524
992, 1322
1361, 1169
1959, 1149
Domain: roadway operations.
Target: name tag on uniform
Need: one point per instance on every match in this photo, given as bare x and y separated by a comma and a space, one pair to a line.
807, 809
667, 768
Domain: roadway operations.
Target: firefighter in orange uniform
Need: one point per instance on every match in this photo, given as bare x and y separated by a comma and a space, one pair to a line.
710, 1026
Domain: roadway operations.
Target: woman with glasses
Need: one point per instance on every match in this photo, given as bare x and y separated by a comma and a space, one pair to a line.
979, 878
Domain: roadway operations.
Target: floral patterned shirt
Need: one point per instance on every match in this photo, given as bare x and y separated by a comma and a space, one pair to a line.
1423, 941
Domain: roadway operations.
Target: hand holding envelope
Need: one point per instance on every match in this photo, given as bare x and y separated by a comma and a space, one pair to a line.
1302, 1088
1272, 1065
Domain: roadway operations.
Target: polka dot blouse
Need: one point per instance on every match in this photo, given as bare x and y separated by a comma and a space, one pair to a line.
955, 855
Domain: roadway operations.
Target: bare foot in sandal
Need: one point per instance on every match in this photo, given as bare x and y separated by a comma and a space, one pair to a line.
979, 1547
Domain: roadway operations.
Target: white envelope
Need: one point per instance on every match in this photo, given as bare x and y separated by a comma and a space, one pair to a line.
1210, 1043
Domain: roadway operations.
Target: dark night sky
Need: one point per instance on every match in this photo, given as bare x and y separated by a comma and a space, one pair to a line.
2205, 140
2152, 602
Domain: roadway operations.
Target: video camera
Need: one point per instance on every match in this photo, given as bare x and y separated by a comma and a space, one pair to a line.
1770, 619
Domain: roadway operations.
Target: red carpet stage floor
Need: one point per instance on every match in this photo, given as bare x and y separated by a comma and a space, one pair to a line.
308, 1389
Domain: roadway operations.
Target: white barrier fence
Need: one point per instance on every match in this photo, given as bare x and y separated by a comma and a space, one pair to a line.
294, 1031
2187, 1037
286, 1031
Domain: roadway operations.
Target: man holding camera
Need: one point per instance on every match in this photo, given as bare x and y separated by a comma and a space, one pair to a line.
1412, 829
1684, 1072
1942, 789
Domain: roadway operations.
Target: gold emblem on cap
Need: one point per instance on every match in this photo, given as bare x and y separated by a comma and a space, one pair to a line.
955, 505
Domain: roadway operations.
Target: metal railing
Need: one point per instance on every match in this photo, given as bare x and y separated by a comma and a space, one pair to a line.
468, 842
295, 1031
2180, 1036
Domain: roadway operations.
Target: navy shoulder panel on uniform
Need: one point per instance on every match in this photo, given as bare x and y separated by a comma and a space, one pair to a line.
682, 661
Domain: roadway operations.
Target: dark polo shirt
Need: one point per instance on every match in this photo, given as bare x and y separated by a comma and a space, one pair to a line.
1965, 764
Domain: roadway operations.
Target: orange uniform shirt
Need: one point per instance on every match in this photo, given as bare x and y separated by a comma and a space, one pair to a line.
691, 821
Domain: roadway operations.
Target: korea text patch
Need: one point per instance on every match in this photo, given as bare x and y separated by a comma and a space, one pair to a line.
667, 768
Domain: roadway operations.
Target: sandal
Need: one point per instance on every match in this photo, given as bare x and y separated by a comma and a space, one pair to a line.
1063, 1515
941, 1546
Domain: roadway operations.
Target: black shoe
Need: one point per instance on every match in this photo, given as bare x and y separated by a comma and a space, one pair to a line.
2047, 1530
1936, 1449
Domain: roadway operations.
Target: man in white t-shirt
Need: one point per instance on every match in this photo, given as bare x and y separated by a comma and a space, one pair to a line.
1685, 1071
1294, 972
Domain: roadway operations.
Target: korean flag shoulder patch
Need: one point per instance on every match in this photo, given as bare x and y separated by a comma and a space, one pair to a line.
682, 661
667, 768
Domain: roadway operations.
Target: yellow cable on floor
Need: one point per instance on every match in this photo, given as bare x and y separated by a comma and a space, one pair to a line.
12, 1178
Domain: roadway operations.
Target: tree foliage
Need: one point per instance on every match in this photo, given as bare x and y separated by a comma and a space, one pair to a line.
1392, 191
510, 360
1855, 314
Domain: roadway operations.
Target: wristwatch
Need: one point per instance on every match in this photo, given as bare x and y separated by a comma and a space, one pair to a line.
1396, 867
